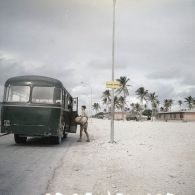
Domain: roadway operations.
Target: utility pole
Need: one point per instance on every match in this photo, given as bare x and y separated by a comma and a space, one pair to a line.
113, 63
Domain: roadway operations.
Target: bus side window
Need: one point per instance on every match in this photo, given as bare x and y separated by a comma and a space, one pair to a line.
69, 103
63, 98
66, 100
58, 96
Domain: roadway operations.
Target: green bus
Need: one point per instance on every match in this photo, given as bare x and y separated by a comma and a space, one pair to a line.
37, 106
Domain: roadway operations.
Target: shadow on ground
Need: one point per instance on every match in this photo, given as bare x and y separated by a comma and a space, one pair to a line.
46, 142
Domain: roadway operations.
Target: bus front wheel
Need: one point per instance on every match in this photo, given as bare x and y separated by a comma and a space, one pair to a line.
57, 139
19, 140
65, 135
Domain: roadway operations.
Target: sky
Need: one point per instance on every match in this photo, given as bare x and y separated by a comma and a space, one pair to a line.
72, 41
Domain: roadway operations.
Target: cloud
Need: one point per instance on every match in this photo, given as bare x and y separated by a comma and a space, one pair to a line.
183, 74
72, 41
11, 66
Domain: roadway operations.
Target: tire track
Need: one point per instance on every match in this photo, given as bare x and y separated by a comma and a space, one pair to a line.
60, 164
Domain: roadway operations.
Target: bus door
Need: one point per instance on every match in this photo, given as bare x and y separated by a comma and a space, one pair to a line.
74, 114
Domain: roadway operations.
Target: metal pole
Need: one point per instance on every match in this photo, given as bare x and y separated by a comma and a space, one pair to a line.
91, 103
113, 63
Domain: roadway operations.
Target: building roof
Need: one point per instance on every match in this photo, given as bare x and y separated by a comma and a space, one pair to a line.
177, 112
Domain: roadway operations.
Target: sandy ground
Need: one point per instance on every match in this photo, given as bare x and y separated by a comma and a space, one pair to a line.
148, 158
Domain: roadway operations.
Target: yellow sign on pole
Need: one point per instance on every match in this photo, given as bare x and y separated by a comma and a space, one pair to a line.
113, 84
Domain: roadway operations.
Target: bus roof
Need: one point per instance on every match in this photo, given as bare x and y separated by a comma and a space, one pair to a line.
34, 79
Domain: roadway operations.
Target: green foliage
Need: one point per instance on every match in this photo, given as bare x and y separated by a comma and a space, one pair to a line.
124, 84
96, 107
142, 94
190, 101
99, 115
147, 112
106, 98
123, 89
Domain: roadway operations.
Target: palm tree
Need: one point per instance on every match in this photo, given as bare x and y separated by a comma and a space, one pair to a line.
135, 111
141, 94
189, 100
153, 99
162, 109
127, 109
123, 89
132, 106
154, 108
170, 103
166, 105
121, 102
180, 103
116, 102
138, 110
96, 107
158, 104
106, 98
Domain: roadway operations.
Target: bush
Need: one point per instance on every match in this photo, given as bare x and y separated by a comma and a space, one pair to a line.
147, 113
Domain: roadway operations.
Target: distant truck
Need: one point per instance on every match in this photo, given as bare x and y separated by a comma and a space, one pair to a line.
37, 106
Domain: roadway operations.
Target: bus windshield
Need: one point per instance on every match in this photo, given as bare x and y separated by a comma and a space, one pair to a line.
17, 93
48, 95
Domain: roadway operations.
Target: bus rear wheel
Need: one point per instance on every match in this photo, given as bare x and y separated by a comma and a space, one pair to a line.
19, 139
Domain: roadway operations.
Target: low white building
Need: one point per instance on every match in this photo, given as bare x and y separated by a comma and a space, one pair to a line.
177, 115
117, 115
